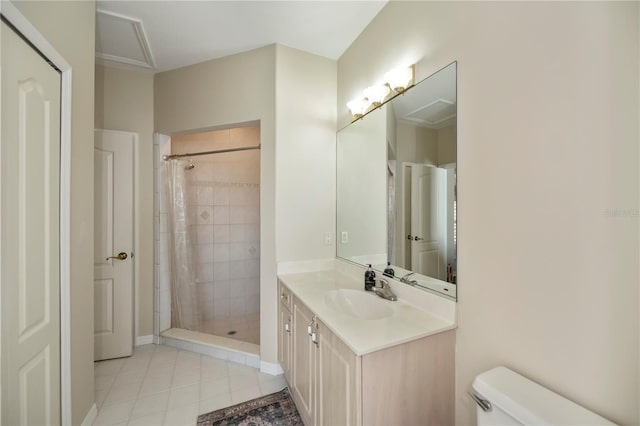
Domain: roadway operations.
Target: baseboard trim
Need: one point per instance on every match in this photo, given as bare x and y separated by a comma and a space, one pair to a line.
91, 416
144, 340
270, 368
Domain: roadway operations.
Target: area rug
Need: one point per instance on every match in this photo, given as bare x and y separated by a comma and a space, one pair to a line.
276, 409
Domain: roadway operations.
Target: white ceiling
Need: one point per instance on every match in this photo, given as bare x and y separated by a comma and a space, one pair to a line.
180, 33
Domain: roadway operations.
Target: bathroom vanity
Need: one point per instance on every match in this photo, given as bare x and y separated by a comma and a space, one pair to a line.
352, 358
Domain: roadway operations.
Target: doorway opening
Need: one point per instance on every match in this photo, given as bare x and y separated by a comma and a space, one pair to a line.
208, 260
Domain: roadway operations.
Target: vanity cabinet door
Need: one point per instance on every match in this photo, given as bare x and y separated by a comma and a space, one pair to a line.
285, 331
303, 383
285, 337
338, 381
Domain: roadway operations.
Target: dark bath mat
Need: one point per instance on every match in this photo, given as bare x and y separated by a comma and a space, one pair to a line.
276, 409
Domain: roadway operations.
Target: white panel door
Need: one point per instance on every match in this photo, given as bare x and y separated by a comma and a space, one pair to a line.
428, 221
30, 235
113, 244
406, 217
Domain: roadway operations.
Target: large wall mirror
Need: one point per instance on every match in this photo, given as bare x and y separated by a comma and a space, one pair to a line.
396, 186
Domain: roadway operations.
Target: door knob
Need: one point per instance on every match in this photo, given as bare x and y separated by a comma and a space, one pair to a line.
121, 256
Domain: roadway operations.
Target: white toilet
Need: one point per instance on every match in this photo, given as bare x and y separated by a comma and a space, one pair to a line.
516, 400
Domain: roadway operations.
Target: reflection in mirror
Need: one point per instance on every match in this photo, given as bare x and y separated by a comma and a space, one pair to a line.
396, 185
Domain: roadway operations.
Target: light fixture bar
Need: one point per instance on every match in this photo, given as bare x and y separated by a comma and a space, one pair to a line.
397, 81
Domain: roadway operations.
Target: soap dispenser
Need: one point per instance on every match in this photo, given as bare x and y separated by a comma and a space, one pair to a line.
388, 271
369, 279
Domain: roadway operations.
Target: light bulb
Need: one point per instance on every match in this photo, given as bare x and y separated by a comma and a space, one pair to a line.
399, 78
358, 106
376, 94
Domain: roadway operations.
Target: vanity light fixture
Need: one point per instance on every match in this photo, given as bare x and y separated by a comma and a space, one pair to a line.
397, 81
358, 107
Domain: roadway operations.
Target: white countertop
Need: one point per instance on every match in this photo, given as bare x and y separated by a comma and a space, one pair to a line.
406, 323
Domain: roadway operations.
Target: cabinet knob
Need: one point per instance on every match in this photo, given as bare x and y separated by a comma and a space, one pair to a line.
314, 338
286, 327
310, 325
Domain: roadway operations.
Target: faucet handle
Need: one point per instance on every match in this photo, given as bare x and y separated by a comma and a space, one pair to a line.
383, 283
384, 289
405, 279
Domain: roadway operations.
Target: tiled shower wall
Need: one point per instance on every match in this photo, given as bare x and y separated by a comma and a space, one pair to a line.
224, 201
228, 255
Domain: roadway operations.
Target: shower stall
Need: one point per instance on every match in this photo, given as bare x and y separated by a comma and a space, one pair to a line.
208, 238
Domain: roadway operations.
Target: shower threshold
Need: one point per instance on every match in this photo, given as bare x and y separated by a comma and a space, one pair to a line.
215, 346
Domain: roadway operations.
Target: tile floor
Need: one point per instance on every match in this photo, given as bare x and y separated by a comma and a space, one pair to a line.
161, 385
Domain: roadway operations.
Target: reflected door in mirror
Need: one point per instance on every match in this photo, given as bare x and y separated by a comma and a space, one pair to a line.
427, 226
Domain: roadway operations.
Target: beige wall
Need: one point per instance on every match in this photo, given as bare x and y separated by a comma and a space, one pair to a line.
305, 155
447, 145
418, 144
246, 136
234, 89
70, 28
124, 101
548, 248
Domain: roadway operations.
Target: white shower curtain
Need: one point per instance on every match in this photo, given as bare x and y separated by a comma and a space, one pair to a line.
391, 215
184, 300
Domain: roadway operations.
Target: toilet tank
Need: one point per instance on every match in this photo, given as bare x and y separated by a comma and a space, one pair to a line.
516, 400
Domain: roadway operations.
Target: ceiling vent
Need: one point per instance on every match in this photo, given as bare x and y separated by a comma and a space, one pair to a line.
121, 41
435, 115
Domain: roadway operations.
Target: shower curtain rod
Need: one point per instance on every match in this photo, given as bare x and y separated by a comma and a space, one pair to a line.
219, 151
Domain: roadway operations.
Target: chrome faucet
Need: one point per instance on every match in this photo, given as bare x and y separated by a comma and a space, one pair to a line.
405, 279
384, 290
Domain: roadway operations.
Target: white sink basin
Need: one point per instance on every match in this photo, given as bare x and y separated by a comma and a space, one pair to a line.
358, 304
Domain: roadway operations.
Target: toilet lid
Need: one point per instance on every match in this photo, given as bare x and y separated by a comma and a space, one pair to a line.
530, 403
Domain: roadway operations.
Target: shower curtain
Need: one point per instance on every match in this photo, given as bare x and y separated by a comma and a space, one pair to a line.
184, 301
391, 215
